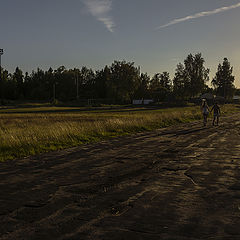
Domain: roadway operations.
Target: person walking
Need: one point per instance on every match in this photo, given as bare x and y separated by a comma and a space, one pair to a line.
205, 111
216, 113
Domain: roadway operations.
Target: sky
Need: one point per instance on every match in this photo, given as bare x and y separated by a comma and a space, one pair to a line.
155, 34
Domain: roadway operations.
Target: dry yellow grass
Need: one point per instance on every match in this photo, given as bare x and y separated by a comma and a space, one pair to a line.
31, 133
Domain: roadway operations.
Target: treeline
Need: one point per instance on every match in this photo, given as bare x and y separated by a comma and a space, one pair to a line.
121, 82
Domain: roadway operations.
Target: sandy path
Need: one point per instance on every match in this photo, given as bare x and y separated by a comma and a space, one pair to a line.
175, 183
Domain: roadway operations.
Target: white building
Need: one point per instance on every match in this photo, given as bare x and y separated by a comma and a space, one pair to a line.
142, 101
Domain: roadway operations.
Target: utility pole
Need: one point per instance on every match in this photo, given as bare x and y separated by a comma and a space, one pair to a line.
1, 80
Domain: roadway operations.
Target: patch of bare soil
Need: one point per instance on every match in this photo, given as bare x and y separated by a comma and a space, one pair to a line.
181, 182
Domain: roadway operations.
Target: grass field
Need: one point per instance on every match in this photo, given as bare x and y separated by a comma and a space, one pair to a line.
32, 130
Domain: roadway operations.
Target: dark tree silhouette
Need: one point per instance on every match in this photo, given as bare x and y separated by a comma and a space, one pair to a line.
160, 86
191, 77
121, 82
142, 92
125, 79
223, 81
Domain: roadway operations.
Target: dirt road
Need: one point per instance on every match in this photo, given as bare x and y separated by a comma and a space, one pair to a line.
180, 182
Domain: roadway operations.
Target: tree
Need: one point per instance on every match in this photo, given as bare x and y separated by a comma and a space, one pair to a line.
160, 86
181, 83
1, 86
102, 83
223, 81
237, 91
37, 85
18, 79
124, 81
165, 81
58, 83
142, 92
87, 82
5, 88
50, 81
196, 72
190, 78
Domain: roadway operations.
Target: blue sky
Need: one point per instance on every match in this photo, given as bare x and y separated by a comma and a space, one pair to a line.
155, 34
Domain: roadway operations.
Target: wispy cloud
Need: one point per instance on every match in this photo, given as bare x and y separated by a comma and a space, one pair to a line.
199, 15
100, 9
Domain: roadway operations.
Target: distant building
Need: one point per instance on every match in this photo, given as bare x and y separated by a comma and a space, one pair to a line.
212, 98
207, 96
142, 101
236, 98
219, 99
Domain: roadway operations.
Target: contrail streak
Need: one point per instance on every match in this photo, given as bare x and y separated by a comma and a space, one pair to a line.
199, 15
100, 10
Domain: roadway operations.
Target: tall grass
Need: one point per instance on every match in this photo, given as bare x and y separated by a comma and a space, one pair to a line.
32, 133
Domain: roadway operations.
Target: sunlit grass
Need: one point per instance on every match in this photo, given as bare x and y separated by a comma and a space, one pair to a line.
23, 134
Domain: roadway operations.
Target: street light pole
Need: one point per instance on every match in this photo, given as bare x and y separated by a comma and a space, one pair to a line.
1, 81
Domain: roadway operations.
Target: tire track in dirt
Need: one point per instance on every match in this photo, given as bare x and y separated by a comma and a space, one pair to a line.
175, 183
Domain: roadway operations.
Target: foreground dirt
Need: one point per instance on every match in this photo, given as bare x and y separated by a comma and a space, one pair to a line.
176, 183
